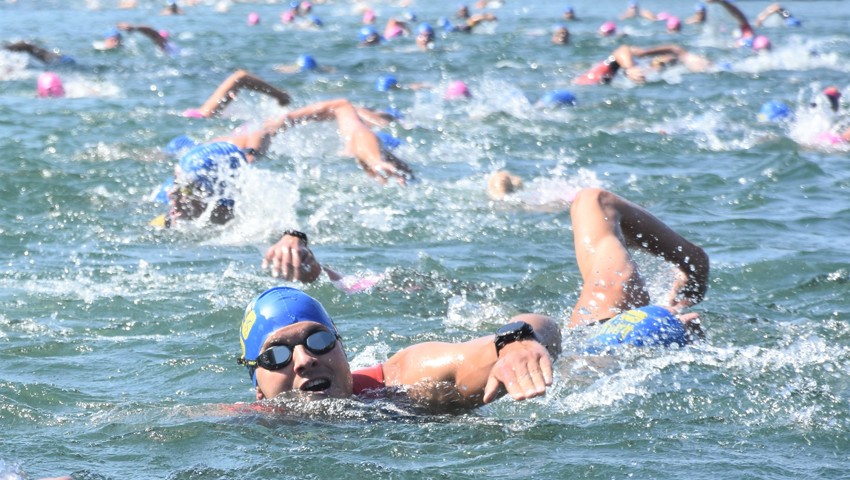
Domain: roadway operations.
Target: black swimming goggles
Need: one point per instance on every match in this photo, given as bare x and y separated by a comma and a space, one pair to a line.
279, 356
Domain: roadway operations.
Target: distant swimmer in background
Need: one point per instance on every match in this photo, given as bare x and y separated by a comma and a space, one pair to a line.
624, 57
227, 91
289, 343
634, 11
205, 175
746, 33
614, 302
699, 16
304, 63
47, 57
560, 35
160, 38
172, 8
467, 25
775, 9
112, 40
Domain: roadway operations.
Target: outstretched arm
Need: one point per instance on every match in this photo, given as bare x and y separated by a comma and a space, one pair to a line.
625, 57
767, 12
738, 15
226, 92
605, 228
46, 56
471, 374
360, 141
149, 32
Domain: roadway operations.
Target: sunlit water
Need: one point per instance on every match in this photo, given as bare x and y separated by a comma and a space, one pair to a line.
118, 341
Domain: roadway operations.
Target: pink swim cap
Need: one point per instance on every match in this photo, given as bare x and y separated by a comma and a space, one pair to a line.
287, 17
457, 89
369, 16
674, 24
608, 28
761, 43
831, 92
50, 85
829, 138
163, 34
253, 18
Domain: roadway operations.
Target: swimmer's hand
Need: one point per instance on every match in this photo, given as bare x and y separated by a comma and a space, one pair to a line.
523, 370
635, 74
687, 290
388, 166
291, 259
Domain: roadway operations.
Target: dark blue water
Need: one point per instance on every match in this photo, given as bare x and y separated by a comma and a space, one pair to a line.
118, 341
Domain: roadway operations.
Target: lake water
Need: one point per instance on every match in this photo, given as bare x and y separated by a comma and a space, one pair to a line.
118, 341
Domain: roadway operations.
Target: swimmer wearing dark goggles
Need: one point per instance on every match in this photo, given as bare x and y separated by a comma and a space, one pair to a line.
277, 357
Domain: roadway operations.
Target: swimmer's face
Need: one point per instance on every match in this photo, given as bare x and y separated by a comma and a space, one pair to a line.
184, 204
326, 374
423, 39
373, 39
561, 36
111, 42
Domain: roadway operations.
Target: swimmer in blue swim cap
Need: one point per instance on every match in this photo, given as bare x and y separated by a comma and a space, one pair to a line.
606, 227
641, 327
776, 9
52, 58
425, 36
774, 111
289, 343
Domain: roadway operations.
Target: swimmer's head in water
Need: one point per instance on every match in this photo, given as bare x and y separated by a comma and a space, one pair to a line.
774, 111
660, 62
386, 83
607, 29
368, 16
556, 98
425, 32
503, 183
674, 24
833, 95
369, 36
253, 18
272, 310
306, 63
642, 327
203, 177
761, 43
50, 85
457, 90
560, 35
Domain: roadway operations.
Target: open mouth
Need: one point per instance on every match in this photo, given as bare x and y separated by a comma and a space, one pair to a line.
317, 385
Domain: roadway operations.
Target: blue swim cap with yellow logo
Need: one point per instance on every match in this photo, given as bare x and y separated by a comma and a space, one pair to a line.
273, 309
645, 326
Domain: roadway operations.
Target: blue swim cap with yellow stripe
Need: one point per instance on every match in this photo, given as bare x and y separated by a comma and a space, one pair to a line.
273, 309
645, 326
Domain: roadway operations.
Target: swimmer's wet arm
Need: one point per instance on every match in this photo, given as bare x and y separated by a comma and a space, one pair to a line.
475, 373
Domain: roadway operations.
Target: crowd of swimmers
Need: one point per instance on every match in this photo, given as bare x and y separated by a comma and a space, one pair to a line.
288, 340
